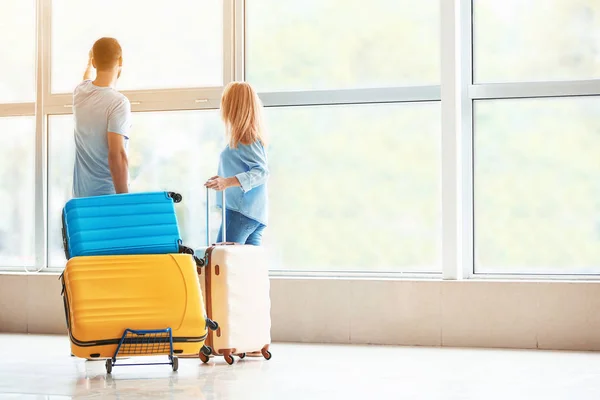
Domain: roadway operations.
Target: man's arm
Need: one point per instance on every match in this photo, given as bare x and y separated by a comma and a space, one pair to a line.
87, 75
117, 162
119, 125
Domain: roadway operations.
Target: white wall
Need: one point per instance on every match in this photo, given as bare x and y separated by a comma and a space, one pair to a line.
545, 315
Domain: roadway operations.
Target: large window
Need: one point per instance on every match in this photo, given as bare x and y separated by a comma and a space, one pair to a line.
184, 46
355, 182
166, 44
536, 140
17, 159
404, 136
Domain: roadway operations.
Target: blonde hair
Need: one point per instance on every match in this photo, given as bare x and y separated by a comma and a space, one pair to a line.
241, 110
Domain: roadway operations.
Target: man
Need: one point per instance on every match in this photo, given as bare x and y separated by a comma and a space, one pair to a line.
102, 125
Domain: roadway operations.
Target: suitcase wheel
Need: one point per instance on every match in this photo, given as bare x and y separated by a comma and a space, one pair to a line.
206, 350
109, 366
212, 325
175, 364
175, 196
203, 357
242, 356
229, 359
266, 354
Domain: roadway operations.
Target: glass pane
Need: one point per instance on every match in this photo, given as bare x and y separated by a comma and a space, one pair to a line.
537, 185
17, 192
174, 151
342, 44
355, 188
535, 40
168, 44
17, 22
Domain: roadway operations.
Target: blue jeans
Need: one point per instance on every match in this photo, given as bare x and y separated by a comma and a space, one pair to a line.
241, 229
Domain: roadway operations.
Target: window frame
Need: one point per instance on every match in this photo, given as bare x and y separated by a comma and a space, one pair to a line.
456, 92
499, 91
336, 97
47, 104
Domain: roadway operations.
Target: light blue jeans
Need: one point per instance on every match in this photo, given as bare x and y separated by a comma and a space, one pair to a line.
241, 229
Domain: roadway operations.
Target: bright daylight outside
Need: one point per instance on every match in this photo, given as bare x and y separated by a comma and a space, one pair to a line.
342, 175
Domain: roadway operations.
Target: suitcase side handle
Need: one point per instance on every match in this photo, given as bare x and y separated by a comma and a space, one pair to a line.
65, 239
188, 250
223, 218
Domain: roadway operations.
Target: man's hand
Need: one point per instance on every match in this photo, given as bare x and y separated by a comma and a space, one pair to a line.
88, 70
219, 184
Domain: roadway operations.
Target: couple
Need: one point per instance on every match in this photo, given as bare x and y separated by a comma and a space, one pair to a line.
103, 124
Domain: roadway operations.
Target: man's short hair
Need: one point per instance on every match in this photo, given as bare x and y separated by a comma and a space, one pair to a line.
107, 53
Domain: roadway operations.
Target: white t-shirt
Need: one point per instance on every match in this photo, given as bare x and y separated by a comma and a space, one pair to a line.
96, 110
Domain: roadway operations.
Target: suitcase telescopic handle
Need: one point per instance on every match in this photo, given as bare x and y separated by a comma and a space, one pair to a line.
223, 219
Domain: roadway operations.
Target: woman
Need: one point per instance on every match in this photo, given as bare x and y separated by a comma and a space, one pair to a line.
243, 166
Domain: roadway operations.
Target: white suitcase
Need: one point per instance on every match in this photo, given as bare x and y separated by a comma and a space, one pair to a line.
235, 285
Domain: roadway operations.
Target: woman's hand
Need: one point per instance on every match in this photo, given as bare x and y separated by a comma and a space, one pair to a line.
219, 184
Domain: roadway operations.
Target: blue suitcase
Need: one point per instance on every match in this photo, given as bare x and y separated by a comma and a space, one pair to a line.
122, 224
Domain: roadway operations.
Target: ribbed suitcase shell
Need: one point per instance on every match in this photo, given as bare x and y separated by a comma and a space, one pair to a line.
236, 286
120, 224
104, 295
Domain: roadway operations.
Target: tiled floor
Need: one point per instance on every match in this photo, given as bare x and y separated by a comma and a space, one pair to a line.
39, 367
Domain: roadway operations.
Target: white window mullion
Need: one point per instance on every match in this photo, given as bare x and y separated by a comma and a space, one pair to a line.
228, 40
43, 29
450, 92
466, 189
240, 40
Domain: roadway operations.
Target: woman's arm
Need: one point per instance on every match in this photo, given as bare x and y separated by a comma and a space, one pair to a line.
255, 158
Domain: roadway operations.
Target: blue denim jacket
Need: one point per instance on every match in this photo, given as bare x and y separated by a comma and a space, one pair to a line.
249, 164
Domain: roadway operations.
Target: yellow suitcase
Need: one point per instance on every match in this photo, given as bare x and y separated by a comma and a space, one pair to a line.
106, 295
